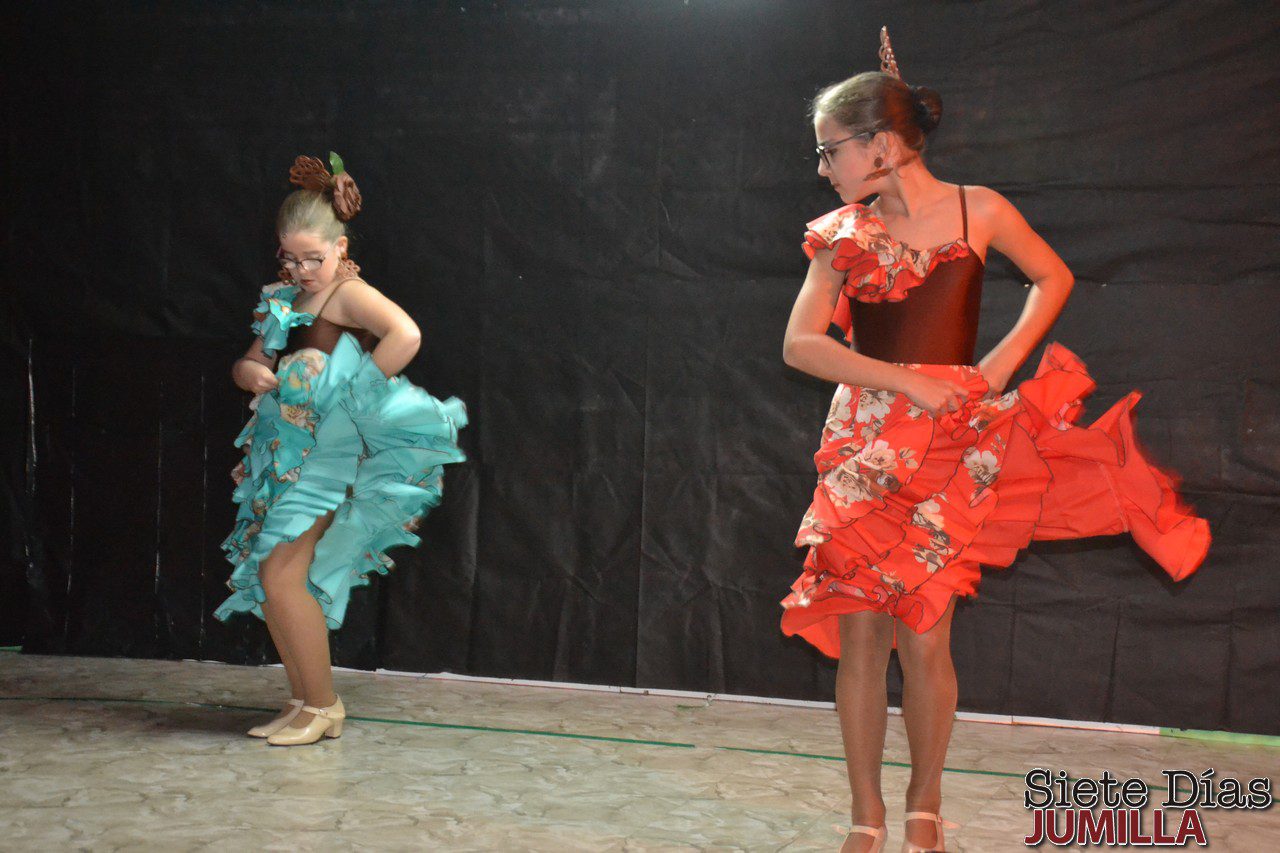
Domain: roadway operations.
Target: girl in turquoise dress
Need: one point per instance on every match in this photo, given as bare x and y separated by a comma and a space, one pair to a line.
343, 456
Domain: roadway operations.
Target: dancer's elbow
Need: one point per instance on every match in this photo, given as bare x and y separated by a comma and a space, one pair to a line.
793, 351
789, 352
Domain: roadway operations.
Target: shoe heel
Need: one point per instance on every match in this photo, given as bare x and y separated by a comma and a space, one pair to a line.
325, 722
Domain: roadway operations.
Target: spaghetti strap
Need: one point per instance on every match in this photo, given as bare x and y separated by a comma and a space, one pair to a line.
330, 296
964, 214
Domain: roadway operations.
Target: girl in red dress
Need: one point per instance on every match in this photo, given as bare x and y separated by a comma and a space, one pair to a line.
927, 467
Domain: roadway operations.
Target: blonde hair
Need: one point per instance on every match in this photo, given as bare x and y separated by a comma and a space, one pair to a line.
308, 210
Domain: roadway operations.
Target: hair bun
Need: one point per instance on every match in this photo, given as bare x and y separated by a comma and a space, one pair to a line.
310, 174
346, 197
928, 105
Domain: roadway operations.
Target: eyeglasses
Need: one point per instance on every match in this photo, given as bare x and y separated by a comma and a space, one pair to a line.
306, 264
827, 149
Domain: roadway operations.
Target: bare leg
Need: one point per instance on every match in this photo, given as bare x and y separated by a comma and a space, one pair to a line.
862, 701
298, 617
290, 668
928, 709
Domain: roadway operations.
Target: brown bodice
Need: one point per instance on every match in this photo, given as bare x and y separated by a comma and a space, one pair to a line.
323, 334
937, 322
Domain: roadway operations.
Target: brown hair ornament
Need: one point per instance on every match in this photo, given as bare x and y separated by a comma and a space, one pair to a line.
888, 64
310, 174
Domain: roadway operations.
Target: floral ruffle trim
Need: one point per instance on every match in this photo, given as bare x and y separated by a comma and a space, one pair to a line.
335, 422
877, 268
274, 316
908, 506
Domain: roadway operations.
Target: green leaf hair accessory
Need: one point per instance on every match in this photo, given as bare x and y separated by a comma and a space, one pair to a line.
310, 174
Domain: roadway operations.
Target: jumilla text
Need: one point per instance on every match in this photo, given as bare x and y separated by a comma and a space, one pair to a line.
1107, 810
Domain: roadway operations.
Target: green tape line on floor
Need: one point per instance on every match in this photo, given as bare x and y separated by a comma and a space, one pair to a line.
492, 729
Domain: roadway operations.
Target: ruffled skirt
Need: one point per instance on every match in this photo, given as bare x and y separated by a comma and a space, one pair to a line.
907, 505
337, 435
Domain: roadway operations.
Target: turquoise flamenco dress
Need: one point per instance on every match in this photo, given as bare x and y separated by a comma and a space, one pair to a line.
335, 434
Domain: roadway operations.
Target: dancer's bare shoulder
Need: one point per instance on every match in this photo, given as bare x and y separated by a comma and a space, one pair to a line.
986, 205
995, 223
359, 304
983, 207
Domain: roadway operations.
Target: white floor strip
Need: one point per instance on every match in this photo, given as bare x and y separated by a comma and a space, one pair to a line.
966, 716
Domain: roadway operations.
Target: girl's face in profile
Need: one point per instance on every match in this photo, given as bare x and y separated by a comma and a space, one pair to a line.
311, 260
844, 161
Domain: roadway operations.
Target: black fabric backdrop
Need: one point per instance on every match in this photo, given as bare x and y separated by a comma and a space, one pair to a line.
594, 212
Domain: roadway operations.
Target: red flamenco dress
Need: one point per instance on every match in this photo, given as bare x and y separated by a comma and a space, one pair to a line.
907, 505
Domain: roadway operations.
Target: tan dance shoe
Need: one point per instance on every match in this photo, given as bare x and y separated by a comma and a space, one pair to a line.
327, 722
941, 845
268, 729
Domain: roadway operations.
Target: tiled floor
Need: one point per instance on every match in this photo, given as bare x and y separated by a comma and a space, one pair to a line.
151, 755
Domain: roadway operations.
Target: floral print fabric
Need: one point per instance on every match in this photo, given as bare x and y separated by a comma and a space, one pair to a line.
908, 506
877, 268
336, 434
